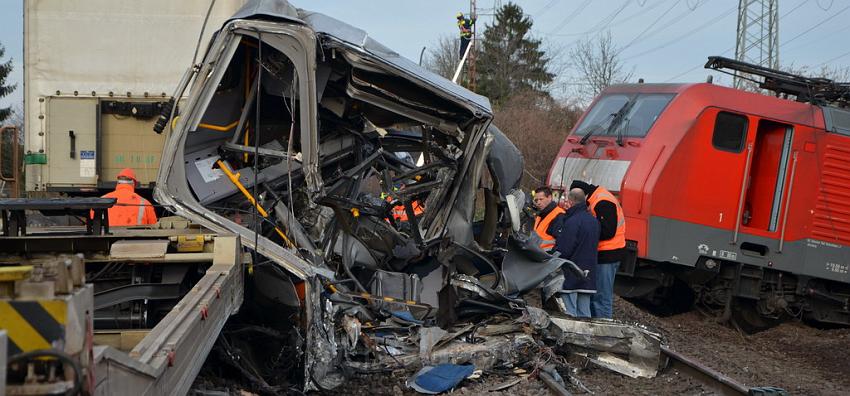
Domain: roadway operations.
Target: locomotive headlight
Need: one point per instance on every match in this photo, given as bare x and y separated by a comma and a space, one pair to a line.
710, 264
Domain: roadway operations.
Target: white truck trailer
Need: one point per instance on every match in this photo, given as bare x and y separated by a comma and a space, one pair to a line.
96, 74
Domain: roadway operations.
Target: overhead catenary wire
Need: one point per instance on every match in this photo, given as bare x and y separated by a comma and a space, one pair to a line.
640, 13
824, 63
650, 25
678, 18
571, 16
603, 23
816, 25
697, 4
820, 38
724, 52
607, 20
694, 68
545, 7
643, 11
646, 32
708, 23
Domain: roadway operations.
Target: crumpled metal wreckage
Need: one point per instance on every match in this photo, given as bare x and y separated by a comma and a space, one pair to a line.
317, 145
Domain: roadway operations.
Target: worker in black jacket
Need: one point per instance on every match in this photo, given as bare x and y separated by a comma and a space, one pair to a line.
612, 244
577, 240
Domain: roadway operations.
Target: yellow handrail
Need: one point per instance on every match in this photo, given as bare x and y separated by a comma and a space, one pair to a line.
220, 128
234, 178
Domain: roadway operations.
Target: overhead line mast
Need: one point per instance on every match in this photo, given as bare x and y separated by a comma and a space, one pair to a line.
758, 36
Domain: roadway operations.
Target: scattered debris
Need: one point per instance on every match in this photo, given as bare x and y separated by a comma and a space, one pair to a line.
437, 379
553, 380
627, 349
504, 385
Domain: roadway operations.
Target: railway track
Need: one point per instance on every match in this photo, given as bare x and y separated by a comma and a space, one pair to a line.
710, 378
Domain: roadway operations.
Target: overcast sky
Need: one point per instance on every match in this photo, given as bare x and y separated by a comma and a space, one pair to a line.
663, 40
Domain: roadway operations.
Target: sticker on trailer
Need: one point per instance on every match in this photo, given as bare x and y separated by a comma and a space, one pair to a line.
205, 167
702, 248
88, 164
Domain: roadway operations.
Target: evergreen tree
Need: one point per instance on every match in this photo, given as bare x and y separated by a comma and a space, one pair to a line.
5, 69
511, 61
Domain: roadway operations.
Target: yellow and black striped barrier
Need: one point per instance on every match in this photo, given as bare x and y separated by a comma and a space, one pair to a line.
32, 325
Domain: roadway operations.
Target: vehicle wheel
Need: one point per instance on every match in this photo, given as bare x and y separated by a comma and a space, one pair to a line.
667, 301
746, 316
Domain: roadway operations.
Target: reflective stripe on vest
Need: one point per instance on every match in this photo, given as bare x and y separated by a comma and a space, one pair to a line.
141, 215
619, 239
542, 228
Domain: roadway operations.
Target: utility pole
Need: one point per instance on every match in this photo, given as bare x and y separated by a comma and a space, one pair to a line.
470, 73
758, 35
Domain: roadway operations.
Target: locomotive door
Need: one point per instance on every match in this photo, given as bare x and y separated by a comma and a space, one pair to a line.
765, 189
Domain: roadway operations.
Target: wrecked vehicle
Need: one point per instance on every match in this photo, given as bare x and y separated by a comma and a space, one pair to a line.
377, 196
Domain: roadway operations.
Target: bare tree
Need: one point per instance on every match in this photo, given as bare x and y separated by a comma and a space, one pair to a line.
443, 58
538, 125
834, 73
598, 65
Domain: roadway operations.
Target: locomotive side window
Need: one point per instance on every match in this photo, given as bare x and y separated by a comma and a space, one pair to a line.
730, 132
837, 120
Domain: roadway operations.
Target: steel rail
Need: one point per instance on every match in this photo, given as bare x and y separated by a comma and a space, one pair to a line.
712, 379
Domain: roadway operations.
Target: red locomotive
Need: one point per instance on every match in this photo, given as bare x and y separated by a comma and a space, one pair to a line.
738, 200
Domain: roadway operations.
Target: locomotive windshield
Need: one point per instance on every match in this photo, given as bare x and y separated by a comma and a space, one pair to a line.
623, 115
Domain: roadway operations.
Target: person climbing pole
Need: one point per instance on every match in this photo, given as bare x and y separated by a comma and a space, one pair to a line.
465, 26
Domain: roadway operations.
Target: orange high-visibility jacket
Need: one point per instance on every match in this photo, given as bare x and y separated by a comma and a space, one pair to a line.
619, 239
541, 226
130, 208
401, 215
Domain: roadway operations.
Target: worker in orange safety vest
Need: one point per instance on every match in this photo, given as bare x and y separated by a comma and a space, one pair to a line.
399, 214
548, 212
130, 208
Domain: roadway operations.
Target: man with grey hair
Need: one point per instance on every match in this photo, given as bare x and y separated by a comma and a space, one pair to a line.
577, 240
612, 244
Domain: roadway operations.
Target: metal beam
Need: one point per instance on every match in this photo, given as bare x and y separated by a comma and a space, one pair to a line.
169, 358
